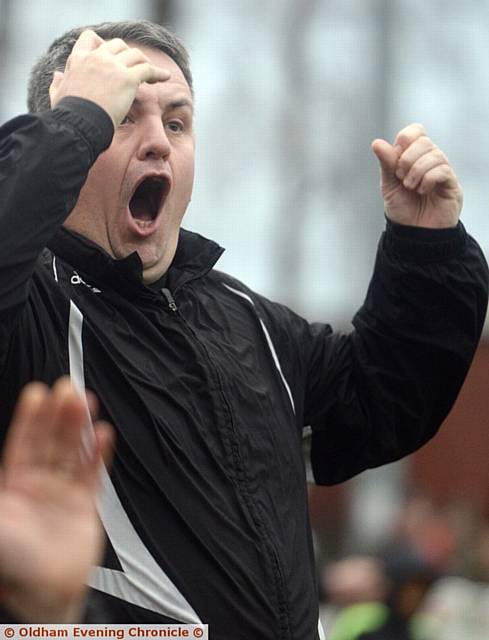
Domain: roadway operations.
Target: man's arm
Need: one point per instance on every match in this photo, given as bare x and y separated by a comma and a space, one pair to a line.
396, 377
381, 391
50, 534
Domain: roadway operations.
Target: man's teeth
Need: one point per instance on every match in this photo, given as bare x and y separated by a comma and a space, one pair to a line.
143, 223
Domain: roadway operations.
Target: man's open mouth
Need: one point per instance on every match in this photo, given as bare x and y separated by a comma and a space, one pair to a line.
148, 198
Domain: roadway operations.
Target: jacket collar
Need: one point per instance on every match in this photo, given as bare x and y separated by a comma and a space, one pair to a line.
195, 256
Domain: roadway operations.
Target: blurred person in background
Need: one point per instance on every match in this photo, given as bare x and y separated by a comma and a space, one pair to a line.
458, 605
480, 560
379, 599
50, 533
355, 579
426, 530
355, 588
209, 385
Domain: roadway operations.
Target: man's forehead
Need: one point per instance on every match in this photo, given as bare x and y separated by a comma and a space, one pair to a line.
160, 59
172, 93
166, 100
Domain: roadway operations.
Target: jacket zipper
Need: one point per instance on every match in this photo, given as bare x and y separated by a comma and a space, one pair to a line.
248, 498
260, 524
170, 299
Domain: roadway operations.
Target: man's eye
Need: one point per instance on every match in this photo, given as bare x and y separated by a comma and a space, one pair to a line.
127, 120
175, 126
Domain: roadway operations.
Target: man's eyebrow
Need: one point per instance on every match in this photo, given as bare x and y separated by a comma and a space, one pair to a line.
176, 104
170, 106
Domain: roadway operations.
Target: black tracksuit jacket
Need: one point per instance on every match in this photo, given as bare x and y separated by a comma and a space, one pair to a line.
209, 387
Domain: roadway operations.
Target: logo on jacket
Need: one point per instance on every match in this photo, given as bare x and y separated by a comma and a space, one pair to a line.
77, 279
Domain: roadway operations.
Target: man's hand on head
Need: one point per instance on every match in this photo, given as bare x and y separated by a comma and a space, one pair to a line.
106, 72
418, 184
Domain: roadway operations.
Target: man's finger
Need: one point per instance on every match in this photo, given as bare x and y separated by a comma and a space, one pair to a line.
413, 153
146, 72
425, 163
21, 444
102, 452
132, 56
68, 421
105, 437
50, 417
408, 135
92, 403
116, 45
442, 178
88, 41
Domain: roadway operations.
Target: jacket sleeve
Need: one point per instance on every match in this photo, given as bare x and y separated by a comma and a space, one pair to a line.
44, 161
382, 391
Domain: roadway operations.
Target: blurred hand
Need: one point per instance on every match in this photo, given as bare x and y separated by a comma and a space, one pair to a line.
106, 72
50, 534
418, 184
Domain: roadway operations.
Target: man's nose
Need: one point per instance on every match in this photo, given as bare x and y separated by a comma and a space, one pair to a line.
154, 141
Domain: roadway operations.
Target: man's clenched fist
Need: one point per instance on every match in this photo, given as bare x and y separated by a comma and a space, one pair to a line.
418, 184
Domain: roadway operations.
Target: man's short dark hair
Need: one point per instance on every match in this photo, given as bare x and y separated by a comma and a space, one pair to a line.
140, 32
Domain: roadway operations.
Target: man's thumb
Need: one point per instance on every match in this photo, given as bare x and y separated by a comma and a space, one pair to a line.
388, 157
53, 89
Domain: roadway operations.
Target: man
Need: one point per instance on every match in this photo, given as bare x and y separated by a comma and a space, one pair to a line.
50, 534
208, 384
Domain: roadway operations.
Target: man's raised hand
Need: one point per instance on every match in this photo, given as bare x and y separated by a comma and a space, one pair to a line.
106, 72
50, 534
418, 184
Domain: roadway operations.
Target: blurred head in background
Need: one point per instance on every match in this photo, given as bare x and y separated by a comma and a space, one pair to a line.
355, 579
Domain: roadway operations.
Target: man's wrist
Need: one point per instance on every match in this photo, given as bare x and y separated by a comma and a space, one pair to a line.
94, 124
420, 244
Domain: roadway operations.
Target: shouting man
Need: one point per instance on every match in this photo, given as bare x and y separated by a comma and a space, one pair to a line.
208, 384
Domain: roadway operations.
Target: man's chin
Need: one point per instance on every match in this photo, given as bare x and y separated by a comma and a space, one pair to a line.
153, 273
149, 260
153, 267
154, 257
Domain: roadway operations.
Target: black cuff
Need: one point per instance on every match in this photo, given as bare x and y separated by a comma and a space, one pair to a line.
419, 244
92, 122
